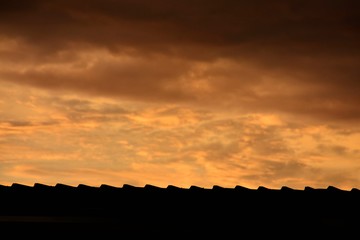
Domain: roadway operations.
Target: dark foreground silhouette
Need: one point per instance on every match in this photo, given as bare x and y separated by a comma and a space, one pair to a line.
112, 212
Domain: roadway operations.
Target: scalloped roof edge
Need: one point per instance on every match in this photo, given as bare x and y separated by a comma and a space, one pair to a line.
192, 187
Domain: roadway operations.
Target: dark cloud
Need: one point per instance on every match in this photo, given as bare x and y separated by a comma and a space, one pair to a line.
83, 106
20, 123
23, 123
336, 149
150, 79
312, 47
297, 25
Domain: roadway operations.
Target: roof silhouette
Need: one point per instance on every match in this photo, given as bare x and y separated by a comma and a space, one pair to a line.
154, 211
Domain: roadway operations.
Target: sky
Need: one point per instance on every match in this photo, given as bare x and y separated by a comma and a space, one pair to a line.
192, 92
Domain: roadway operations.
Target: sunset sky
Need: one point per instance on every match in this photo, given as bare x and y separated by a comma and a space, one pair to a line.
191, 92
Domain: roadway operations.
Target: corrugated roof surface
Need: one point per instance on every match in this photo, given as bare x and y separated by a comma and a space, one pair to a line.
65, 209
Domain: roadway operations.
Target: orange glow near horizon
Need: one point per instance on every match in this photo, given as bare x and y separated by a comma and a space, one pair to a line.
76, 139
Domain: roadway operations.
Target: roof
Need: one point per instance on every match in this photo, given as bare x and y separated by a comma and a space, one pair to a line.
151, 209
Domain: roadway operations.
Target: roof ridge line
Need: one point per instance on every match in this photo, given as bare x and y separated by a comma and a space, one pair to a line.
329, 188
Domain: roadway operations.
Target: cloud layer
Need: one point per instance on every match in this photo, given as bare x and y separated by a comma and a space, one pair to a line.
296, 57
224, 91
74, 139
